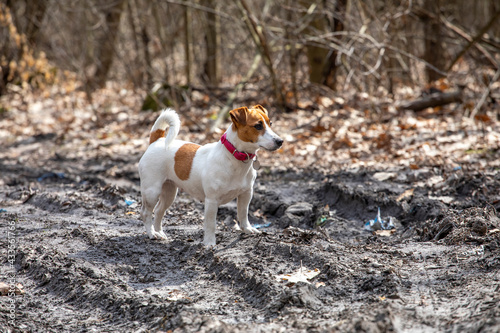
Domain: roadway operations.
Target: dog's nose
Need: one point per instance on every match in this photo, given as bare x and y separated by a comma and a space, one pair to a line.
278, 141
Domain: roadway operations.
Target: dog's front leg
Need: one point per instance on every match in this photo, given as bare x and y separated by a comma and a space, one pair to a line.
210, 222
243, 203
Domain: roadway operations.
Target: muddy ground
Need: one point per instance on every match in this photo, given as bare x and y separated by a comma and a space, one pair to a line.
86, 265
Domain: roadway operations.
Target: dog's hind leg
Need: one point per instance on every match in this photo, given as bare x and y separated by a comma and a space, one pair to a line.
149, 200
210, 223
167, 197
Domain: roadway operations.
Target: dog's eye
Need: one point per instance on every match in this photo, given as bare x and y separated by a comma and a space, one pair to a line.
259, 127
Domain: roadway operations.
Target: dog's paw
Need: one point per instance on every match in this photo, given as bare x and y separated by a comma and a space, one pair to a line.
161, 235
157, 235
150, 233
251, 230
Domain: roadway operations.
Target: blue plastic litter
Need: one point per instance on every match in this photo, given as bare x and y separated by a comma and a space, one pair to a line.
260, 226
130, 202
2, 210
379, 224
59, 175
457, 168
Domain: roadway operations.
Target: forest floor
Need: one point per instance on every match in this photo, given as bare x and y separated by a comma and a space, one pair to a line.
69, 185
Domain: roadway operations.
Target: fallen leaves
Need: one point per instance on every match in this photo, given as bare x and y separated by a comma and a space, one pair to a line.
347, 131
176, 294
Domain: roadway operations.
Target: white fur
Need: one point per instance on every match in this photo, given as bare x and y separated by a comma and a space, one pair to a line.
216, 177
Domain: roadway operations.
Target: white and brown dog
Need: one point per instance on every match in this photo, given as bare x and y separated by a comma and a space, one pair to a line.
215, 173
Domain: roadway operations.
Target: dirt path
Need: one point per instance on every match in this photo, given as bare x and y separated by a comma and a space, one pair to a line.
86, 264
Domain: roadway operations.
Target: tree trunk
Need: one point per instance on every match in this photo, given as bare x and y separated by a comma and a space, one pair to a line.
211, 66
337, 24
434, 52
292, 54
188, 39
316, 55
322, 66
106, 45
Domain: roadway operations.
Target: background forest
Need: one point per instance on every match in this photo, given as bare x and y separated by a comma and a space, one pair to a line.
281, 47
358, 76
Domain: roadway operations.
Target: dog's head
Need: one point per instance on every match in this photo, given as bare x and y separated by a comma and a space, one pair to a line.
253, 126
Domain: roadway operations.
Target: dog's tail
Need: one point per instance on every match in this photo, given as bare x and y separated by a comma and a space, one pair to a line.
170, 119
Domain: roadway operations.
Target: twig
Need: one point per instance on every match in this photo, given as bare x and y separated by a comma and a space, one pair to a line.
485, 94
469, 38
481, 32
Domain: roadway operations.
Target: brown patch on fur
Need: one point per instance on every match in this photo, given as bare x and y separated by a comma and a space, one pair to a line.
159, 133
184, 160
245, 119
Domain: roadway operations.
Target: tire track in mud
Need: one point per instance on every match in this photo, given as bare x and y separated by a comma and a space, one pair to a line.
91, 287
101, 273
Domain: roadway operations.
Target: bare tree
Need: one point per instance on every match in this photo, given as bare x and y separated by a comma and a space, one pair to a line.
365, 44
323, 17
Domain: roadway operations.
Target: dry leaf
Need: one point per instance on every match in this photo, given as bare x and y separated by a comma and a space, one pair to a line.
176, 295
406, 195
385, 233
302, 275
483, 118
5, 289
383, 176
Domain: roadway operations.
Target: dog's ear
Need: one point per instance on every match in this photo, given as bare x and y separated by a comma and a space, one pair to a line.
260, 107
239, 116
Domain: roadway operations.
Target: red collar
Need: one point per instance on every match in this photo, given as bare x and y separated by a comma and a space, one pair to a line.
240, 156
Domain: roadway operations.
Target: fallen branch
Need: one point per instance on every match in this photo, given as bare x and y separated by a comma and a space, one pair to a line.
432, 100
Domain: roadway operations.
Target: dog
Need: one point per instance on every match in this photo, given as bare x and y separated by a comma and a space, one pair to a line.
215, 173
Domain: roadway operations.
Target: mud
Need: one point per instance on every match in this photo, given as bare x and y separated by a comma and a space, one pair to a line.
86, 264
